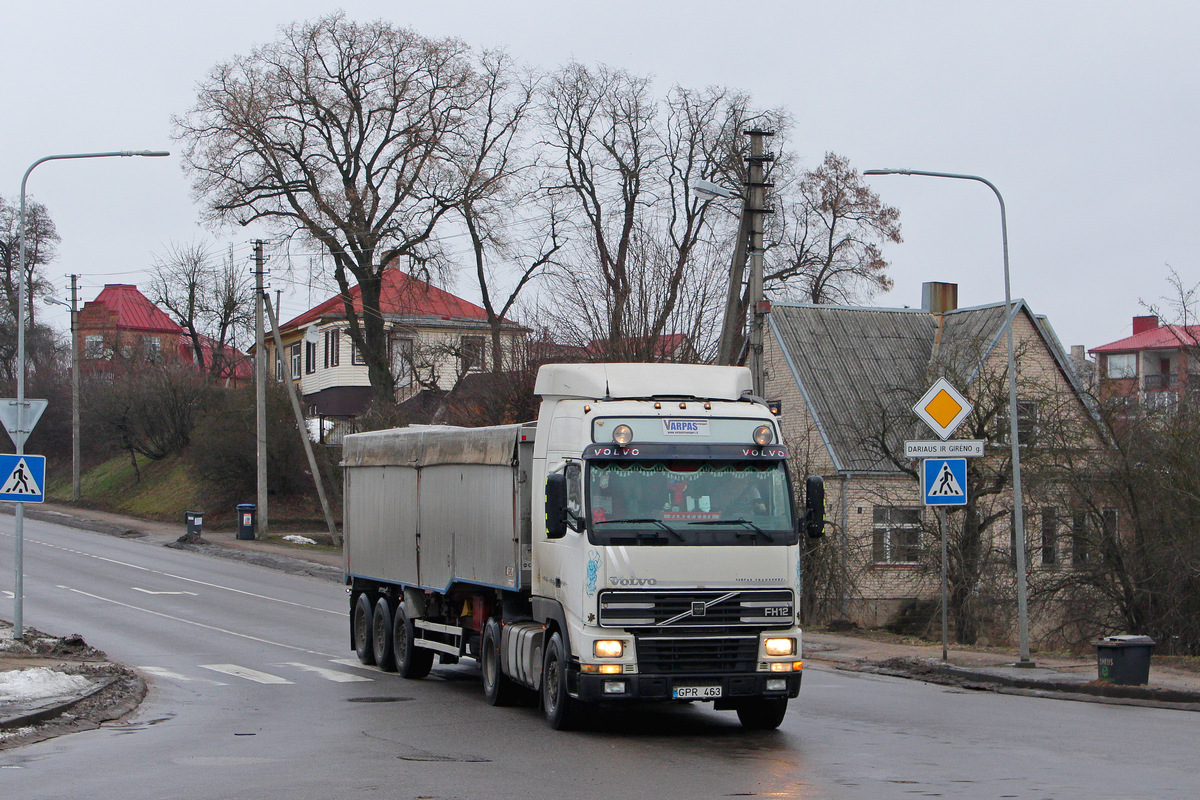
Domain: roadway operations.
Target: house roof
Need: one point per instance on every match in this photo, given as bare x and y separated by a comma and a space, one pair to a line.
400, 294
855, 365
134, 311
1166, 337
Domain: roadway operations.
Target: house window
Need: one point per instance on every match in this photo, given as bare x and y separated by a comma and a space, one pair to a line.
1079, 539
296, 360
471, 353
401, 359
333, 345
278, 368
93, 346
152, 347
356, 356
1121, 365
1028, 415
310, 358
1049, 537
896, 538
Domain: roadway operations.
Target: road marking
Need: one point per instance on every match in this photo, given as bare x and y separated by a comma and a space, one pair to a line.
9, 595
245, 672
335, 675
350, 662
174, 576
193, 622
170, 675
148, 591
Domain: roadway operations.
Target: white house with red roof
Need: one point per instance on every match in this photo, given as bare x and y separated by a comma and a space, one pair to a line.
434, 338
1152, 366
121, 328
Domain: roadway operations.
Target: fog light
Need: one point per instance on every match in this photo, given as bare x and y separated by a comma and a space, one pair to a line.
608, 648
777, 685
780, 647
610, 669
622, 435
614, 687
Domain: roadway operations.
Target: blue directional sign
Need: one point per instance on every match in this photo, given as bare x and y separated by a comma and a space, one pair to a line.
944, 481
23, 478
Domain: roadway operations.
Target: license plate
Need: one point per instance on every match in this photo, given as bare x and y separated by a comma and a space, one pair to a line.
696, 692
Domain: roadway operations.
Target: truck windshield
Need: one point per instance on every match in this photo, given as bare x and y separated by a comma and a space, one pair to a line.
689, 502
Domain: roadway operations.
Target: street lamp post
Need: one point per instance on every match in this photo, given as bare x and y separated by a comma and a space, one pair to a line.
19, 514
1018, 505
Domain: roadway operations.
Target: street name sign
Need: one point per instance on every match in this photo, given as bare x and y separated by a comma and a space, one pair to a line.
23, 478
942, 408
959, 448
944, 481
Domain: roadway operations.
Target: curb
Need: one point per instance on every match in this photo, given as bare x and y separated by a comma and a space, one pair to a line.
51, 711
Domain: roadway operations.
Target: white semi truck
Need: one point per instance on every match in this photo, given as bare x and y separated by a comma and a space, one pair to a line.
640, 541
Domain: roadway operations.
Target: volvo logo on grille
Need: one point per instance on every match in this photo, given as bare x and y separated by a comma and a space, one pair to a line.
698, 609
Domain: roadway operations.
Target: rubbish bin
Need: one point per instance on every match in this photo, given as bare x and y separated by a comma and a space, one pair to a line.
195, 522
245, 521
1124, 659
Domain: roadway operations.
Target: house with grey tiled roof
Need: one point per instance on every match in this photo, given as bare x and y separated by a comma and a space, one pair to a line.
847, 379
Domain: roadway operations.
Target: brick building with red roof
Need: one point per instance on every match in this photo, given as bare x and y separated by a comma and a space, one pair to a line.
434, 339
1152, 366
121, 328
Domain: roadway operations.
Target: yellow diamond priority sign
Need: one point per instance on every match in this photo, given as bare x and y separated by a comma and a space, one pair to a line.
942, 408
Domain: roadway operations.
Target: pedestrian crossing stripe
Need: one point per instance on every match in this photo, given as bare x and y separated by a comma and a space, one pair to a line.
24, 476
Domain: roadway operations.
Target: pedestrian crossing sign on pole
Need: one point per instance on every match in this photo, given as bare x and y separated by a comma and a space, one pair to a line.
24, 478
944, 481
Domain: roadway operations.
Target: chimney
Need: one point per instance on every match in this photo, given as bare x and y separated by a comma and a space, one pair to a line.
1077, 353
1143, 324
938, 298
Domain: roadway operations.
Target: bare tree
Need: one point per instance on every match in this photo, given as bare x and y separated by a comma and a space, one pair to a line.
829, 237
341, 132
41, 247
209, 297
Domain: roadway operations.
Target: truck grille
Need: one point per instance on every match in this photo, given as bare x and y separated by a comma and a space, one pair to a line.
696, 655
757, 608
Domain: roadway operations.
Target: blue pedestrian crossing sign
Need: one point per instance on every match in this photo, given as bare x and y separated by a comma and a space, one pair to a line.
944, 481
24, 478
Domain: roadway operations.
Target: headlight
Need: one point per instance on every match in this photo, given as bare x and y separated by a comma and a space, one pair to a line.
780, 647
763, 435
608, 648
622, 435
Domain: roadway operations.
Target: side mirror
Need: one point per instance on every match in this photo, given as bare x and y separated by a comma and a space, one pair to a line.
556, 506
814, 506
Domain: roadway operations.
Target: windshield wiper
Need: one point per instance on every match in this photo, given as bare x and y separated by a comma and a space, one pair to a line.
739, 521
657, 522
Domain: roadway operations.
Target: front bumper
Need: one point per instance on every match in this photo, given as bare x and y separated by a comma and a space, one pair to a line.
591, 687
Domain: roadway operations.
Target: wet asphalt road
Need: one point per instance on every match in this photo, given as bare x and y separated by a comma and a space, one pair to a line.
255, 693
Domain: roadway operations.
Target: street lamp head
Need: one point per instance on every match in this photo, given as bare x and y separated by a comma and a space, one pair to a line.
54, 301
886, 172
147, 153
710, 189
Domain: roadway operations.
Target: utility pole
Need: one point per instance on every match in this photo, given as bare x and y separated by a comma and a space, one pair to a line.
756, 206
260, 393
75, 389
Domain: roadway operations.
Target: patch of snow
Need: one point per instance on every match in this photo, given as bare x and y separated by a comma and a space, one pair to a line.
37, 682
298, 539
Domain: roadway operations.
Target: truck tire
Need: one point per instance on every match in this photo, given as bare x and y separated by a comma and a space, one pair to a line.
381, 635
498, 688
411, 661
362, 630
561, 711
762, 714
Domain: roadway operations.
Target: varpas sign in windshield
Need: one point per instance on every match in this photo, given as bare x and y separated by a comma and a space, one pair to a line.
685, 427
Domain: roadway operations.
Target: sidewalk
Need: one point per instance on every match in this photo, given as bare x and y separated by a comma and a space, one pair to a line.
1067, 679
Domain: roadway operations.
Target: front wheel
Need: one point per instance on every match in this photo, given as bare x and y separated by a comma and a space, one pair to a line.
762, 715
561, 711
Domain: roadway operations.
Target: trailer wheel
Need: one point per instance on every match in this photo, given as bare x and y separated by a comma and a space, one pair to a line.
498, 688
762, 715
411, 661
561, 711
362, 630
381, 635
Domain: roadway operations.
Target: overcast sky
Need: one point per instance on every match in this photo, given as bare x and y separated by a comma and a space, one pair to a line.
1083, 114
